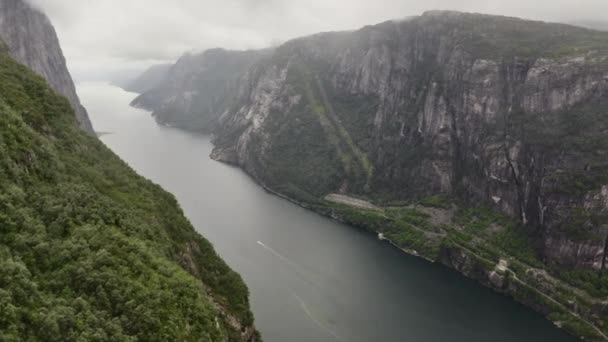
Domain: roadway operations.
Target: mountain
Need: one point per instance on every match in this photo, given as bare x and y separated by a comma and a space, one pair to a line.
198, 87
472, 140
32, 41
149, 79
89, 249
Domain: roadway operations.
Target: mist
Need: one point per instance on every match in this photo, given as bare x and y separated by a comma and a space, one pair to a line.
116, 38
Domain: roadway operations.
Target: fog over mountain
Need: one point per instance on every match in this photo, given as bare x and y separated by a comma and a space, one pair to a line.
126, 36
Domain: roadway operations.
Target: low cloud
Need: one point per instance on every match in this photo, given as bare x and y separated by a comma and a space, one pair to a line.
109, 34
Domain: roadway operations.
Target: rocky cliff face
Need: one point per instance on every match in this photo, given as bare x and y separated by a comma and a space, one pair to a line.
198, 88
494, 112
32, 41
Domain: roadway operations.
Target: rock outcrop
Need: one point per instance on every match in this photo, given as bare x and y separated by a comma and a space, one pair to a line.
32, 41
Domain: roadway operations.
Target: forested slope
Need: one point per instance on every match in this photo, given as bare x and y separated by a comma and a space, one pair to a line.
91, 251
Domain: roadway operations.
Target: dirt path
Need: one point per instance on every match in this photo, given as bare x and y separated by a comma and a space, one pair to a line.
350, 201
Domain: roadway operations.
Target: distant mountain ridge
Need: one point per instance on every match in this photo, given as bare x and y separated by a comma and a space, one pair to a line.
148, 80
31, 40
195, 90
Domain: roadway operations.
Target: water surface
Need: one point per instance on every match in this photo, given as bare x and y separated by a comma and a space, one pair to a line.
311, 279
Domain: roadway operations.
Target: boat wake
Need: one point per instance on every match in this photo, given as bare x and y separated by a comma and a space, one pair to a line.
278, 255
316, 321
299, 270
303, 305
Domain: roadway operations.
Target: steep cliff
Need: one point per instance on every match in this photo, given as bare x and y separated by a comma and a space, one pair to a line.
494, 110
480, 140
198, 88
89, 250
32, 41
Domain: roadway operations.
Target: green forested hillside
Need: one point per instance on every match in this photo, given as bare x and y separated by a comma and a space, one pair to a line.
91, 251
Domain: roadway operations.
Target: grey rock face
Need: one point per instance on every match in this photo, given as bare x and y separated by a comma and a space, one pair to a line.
32, 41
455, 103
494, 110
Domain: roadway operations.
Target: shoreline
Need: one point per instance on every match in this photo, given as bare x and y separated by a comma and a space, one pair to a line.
488, 282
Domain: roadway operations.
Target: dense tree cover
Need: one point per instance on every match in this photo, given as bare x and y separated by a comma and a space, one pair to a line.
89, 250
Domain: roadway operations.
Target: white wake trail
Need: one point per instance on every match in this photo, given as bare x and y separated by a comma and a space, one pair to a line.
299, 270
278, 255
315, 321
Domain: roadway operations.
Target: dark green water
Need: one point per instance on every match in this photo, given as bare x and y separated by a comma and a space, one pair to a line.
311, 279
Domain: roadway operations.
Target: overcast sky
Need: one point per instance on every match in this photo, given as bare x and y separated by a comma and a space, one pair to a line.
103, 37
